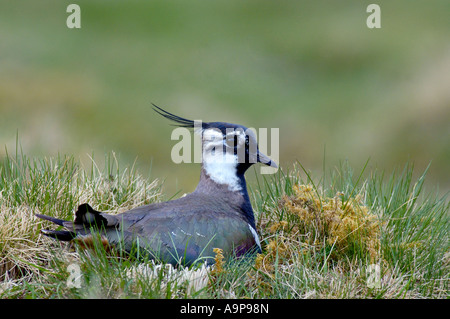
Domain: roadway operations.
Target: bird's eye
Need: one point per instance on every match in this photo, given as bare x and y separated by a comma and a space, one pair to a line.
231, 141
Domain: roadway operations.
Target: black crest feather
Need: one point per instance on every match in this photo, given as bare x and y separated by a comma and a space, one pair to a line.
182, 122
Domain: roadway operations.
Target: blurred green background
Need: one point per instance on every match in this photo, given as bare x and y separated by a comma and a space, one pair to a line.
311, 68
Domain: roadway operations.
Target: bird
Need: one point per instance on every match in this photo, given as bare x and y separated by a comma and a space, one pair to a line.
217, 214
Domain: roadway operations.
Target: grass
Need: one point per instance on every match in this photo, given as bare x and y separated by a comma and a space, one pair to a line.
319, 236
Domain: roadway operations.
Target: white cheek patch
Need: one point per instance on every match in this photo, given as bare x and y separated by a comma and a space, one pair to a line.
213, 146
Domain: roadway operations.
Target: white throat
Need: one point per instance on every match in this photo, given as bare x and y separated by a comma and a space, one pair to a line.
223, 172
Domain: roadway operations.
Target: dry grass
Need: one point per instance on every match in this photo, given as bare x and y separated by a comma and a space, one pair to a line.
55, 187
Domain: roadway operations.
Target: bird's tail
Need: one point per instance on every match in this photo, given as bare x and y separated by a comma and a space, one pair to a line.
86, 218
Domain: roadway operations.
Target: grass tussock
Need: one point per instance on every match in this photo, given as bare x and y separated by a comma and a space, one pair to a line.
321, 224
319, 239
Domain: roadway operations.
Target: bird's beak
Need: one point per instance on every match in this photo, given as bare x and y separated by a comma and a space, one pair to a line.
264, 159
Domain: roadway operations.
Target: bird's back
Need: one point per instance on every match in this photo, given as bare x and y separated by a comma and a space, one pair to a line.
187, 228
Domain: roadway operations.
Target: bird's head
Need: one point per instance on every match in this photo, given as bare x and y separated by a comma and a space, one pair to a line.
227, 143
224, 144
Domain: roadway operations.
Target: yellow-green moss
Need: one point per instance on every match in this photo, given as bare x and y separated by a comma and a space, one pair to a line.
314, 223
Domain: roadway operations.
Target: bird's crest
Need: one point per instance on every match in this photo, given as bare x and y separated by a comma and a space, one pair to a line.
181, 121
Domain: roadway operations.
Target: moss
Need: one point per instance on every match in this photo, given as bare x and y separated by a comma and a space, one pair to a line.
218, 262
312, 223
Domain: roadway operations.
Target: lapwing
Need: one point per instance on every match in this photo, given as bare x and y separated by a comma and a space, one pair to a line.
217, 214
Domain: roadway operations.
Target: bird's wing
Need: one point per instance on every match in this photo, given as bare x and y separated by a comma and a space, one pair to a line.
189, 236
